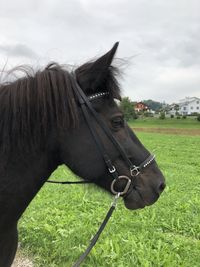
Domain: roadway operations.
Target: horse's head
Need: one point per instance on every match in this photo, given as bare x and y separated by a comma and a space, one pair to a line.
80, 151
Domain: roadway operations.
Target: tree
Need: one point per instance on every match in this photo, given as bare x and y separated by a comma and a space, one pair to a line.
162, 116
128, 109
176, 107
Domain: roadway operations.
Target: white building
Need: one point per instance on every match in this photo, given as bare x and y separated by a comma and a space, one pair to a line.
173, 109
189, 105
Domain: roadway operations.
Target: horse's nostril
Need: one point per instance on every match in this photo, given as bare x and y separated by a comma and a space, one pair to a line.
161, 187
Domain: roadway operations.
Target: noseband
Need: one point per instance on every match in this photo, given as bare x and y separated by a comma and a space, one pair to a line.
88, 111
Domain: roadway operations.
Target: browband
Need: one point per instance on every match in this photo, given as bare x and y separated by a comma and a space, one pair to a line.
97, 95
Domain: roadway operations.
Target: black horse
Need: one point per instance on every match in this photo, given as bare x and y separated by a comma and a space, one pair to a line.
42, 126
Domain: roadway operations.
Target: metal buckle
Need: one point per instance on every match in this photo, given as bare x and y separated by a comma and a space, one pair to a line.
135, 170
126, 188
112, 170
116, 197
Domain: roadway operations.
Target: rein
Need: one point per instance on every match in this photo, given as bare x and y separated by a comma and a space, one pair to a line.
89, 111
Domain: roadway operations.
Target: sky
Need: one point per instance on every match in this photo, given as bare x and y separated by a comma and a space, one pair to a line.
159, 40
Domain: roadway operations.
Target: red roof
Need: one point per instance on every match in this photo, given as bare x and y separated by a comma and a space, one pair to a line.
141, 106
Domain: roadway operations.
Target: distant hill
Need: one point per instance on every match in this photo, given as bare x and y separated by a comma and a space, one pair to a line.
154, 105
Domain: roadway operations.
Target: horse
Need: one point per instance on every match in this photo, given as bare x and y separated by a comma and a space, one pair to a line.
55, 116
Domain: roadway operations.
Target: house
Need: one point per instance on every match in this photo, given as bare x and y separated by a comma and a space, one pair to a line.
173, 109
189, 105
140, 106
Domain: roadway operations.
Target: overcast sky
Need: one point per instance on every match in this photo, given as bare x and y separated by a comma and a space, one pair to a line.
160, 38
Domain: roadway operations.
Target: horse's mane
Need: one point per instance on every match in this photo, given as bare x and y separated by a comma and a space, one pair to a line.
30, 106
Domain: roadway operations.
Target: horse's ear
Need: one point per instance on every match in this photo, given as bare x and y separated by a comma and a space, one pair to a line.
92, 75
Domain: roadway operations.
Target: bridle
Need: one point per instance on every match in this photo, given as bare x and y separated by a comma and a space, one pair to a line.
85, 103
88, 111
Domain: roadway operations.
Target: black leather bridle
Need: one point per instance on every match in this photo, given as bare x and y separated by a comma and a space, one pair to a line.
88, 111
85, 103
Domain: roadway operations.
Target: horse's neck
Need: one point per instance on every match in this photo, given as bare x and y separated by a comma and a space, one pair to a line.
20, 180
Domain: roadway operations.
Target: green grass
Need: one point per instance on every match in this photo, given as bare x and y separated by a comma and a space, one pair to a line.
190, 123
59, 223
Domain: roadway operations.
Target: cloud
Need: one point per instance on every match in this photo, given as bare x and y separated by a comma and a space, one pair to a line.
164, 36
18, 50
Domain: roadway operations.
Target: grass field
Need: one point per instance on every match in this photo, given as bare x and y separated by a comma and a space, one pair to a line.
59, 223
189, 123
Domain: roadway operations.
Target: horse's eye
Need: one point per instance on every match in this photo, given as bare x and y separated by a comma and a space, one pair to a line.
118, 122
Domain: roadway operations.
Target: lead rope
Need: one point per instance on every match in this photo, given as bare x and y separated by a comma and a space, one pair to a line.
102, 226
98, 233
